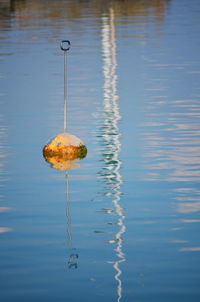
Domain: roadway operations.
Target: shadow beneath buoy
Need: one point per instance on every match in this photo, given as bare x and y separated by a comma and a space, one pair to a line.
66, 162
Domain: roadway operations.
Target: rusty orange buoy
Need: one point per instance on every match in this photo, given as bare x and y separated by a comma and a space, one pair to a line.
66, 145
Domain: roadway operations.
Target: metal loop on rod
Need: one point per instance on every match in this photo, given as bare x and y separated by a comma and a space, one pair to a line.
62, 45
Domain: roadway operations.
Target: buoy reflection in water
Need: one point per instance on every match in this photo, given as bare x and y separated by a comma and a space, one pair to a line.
66, 162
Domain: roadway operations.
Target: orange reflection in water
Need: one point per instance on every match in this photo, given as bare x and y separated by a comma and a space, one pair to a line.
62, 163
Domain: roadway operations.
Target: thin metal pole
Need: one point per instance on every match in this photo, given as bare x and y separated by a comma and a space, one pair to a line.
65, 91
62, 46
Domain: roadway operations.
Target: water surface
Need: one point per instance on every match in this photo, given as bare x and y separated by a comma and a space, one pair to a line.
124, 223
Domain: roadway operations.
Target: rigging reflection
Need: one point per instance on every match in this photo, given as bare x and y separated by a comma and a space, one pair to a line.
110, 139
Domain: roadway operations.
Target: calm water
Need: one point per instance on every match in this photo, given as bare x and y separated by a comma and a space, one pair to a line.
124, 225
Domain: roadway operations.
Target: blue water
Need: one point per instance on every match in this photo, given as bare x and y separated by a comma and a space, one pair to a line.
123, 224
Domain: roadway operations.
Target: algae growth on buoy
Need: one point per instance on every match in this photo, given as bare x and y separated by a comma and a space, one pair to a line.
65, 145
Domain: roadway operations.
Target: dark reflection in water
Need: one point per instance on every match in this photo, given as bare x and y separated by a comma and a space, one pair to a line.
54, 9
43, 11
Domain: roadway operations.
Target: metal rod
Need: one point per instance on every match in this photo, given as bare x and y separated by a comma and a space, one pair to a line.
65, 91
65, 79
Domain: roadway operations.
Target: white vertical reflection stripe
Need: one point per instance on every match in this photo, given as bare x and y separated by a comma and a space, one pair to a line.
111, 136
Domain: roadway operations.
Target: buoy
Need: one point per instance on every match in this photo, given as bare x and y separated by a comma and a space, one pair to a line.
64, 147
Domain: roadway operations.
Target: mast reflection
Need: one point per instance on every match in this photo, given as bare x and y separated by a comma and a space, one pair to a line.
110, 138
